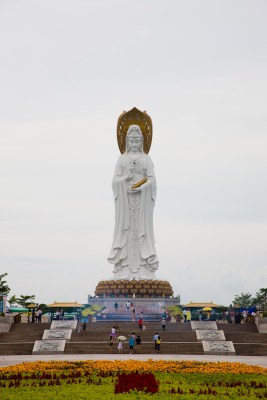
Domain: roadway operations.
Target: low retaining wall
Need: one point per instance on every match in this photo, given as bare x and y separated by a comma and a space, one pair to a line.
261, 324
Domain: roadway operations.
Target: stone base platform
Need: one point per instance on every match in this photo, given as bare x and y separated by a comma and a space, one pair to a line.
114, 309
137, 288
49, 347
216, 347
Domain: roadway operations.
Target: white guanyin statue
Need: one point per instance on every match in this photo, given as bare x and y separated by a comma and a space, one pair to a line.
133, 250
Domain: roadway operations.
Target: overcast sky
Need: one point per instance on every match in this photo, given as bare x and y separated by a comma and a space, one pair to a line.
68, 68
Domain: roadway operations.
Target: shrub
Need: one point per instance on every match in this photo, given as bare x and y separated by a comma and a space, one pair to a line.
145, 382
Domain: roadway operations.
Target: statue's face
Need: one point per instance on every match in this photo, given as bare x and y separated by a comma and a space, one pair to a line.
134, 143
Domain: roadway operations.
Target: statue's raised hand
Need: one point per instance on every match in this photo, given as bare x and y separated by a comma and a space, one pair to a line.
135, 190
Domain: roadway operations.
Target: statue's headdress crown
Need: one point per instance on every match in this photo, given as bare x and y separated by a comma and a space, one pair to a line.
140, 123
134, 130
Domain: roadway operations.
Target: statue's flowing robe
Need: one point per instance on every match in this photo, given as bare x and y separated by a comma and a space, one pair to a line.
134, 223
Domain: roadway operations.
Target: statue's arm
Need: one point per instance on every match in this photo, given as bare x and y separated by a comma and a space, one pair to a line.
117, 177
151, 179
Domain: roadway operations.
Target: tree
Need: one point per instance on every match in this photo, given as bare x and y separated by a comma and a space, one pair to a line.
4, 288
23, 301
12, 300
42, 307
258, 300
243, 300
263, 291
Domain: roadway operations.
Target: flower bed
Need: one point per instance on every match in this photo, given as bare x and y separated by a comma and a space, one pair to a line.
96, 379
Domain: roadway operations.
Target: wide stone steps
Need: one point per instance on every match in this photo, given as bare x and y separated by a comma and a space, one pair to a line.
178, 338
147, 348
145, 336
238, 327
246, 337
130, 326
251, 349
11, 348
24, 332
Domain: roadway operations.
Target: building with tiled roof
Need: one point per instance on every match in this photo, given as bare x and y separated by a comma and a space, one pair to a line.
201, 305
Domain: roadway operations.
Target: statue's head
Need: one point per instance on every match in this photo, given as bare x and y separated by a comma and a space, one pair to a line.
134, 139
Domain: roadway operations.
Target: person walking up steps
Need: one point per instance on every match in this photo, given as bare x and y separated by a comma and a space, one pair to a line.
158, 341
120, 346
155, 338
131, 344
138, 344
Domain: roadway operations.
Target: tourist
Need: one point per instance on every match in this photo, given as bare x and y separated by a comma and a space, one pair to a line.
184, 314
128, 305
155, 338
110, 344
133, 315
208, 315
33, 315
120, 346
79, 328
232, 316
224, 320
158, 341
200, 315
244, 315
238, 317
163, 323
138, 343
57, 315
140, 323
39, 315
188, 315
131, 344
116, 306
84, 328
113, 333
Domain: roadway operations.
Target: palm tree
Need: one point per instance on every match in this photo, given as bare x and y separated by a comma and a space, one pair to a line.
243, 300
4, 288
24, 300
12, 300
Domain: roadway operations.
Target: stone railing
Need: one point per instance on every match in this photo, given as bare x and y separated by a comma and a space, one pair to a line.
6, 322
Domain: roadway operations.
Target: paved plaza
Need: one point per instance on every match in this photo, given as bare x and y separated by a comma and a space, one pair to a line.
17, 359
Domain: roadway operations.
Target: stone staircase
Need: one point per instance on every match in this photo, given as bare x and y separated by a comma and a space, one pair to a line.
96, 340
21, 337
178, 338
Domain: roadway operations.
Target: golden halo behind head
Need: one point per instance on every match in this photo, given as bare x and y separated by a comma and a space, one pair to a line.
134, 117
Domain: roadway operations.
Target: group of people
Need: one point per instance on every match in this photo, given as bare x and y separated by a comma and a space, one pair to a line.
187, 315
35, 316
241, 316
59, 314
231, 315
81, 328
134, 341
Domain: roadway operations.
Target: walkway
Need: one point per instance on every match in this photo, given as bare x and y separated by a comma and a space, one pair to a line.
17, 359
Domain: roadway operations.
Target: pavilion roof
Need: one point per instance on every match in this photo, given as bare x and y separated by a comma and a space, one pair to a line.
201, 305
31, 305
62, 304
